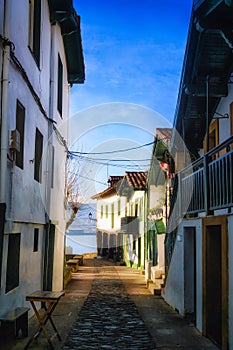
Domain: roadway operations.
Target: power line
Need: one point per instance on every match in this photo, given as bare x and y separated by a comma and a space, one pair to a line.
81, 157
88, 178
110, 152
92, 161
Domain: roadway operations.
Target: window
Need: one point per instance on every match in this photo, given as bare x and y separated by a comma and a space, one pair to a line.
106, 211
112, 215
34, 28
136, 209
119, 207
59, 86
213, 136
20, 118
101, 211
12, 274
141, 209
38, 156
131, 209
52, 167
134, 245
36, 240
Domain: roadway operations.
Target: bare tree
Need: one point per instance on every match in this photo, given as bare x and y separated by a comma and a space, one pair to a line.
73, 198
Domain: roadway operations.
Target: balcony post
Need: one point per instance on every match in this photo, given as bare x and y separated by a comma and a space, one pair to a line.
179, 196
207, 113
206, 186
206, 162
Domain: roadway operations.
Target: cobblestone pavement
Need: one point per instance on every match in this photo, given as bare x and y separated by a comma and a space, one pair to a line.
107, 306
109, 319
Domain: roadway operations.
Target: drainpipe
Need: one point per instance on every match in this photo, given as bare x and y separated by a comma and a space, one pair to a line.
4, 129
50, 125
47, 199
207, 113
4, 98
206, 169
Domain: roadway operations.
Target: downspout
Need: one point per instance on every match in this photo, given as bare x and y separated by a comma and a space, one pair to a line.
207, 114
4, 98
4, 128
50, 126
48, 167
206, 167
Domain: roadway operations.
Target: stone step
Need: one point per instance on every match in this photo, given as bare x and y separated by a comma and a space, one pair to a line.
160, 282
156, 272
154, 288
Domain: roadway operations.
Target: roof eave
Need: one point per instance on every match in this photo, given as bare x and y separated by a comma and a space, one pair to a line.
62, 12
191, 95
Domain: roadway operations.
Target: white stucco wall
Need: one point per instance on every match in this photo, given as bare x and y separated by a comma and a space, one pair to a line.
161, 253
105, 223
175, 283
29, 200
57, 204
156, 196
223, 108
132, 255
30, 267
174, 289
199, 288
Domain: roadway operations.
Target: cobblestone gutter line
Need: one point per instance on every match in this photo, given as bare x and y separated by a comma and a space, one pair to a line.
109, 319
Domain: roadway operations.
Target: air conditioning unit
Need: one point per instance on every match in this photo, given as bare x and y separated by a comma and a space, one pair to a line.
14, 142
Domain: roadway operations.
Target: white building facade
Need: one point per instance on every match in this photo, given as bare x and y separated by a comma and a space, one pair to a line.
110, 208
198, 241
37, 71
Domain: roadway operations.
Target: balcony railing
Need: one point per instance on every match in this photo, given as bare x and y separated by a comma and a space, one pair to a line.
207, 184
130, 225
204, 186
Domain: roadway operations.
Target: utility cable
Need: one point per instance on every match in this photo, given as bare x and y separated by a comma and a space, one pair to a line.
110, 152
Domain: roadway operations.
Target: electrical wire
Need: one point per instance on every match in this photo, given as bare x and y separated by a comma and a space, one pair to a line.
118, 165
113, 160
111, 152
88, 178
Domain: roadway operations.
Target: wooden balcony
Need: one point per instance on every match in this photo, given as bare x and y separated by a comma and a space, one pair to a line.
130, 225
207, 184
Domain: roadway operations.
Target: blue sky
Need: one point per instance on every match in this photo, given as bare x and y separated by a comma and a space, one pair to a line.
133, 54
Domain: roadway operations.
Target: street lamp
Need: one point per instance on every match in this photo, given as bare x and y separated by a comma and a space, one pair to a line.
90, 217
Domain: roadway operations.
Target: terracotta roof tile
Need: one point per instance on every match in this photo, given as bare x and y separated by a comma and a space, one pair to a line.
136, 179
114, 182
114, 179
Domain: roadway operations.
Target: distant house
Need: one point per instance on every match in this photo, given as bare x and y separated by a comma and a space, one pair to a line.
110, 208
158, 198
133, 189
199, 255
40, 59
120, 218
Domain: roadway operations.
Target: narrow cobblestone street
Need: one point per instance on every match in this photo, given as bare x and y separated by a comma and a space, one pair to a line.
109, 319
107, 306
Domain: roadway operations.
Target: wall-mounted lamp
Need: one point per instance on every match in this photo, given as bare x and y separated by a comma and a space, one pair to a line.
225, 115
90, 217
179, 238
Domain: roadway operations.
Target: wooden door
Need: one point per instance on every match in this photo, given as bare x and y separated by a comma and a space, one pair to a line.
215, 280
